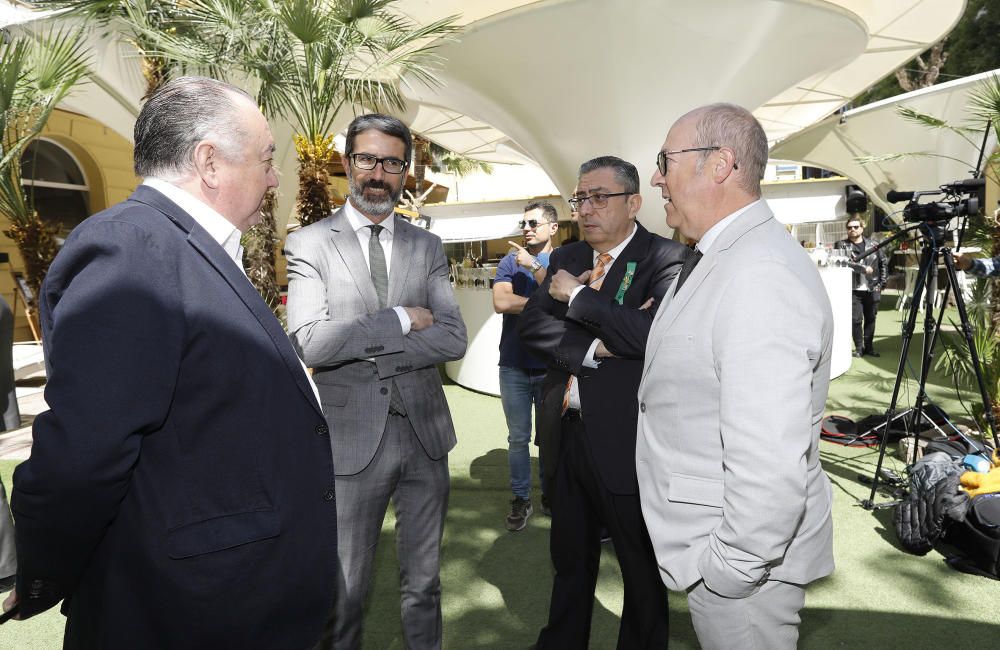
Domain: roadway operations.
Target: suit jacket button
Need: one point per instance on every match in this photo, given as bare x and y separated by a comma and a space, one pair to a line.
384, 390
642, 406
322, 429
328, 495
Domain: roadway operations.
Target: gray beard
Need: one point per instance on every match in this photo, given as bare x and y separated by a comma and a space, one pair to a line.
381, 208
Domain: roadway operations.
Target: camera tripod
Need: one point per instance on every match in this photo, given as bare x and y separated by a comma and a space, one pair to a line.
924, 288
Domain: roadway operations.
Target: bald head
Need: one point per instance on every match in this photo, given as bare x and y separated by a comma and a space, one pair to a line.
728, 125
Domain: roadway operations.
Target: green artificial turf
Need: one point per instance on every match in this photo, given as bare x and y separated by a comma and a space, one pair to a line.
496, 584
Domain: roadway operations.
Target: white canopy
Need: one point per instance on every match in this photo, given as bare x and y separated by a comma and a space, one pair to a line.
877, 129
561, 81
569, 80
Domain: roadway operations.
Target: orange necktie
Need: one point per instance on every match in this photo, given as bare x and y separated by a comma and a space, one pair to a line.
596, 279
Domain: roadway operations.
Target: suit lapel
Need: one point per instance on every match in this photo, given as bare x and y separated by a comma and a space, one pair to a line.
634, 252
345, 241
399, 269
747, 221
216, 257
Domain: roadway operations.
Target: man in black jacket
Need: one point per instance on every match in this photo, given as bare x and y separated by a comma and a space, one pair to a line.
589, 321
180, 490
869, 279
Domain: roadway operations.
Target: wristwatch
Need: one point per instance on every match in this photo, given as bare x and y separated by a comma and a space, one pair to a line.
535, 265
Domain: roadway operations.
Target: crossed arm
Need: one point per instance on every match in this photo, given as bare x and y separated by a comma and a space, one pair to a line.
326, 338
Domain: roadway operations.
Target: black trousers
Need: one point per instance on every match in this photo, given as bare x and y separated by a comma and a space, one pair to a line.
580, 507
864, 309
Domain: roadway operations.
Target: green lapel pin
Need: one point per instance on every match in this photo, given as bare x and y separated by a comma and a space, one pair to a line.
626, 282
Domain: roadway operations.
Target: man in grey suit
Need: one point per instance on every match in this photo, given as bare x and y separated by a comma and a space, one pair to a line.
371, 309
734, 385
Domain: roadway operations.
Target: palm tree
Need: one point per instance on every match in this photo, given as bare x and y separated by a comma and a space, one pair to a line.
36, 73
311, 59
135, 20
957, 358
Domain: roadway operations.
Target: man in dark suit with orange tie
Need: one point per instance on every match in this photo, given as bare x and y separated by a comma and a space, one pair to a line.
589, 321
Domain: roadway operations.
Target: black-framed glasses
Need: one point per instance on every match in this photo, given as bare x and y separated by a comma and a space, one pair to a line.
366, 161
531, 223
661, 158
598, 200
858, 227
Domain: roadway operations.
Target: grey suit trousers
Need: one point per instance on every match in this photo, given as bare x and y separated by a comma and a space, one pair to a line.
766, 620
419, 490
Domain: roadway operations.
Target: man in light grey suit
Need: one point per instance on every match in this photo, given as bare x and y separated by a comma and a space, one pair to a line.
735, 381
372, 311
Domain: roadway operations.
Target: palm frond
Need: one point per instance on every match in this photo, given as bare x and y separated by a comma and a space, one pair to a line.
931, 122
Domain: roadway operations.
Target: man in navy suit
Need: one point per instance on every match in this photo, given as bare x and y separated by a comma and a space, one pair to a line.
589, 321
180, 490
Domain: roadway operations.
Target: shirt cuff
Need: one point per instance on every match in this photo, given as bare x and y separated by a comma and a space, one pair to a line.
590, 361
573, 295
404, 319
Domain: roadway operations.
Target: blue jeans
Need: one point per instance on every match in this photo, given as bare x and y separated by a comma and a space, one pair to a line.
519, 390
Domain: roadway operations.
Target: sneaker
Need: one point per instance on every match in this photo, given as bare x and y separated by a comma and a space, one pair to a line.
520, 510
546, 506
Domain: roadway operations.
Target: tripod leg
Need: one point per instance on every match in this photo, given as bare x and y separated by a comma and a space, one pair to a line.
970, 340
926, 259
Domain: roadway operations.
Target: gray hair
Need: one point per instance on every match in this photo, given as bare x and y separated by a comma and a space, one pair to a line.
728, 125
180, 114
547, 209
383, 124
625, 172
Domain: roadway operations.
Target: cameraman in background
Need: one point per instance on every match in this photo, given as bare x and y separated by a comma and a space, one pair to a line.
868, 281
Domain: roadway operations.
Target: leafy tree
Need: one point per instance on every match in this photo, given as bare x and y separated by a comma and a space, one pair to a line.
309, 60
969, 49
36, 73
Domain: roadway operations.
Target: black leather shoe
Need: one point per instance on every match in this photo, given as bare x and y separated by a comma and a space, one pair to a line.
856, 354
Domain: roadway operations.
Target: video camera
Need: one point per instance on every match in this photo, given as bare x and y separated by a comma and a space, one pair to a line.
956, 203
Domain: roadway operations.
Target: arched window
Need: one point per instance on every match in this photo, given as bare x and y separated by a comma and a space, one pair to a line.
55, 185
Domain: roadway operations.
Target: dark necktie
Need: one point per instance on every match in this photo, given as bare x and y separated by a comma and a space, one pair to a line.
380, 278
686, 268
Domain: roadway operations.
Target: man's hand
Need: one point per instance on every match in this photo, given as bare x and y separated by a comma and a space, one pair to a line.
649, 303
420, 318
869, 270
602, 352
962, 262
524, 258
564, 282
10, 602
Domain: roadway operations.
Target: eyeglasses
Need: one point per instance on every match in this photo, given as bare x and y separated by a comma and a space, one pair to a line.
599, 200
661, 158
367, 161
531, 223
855, 227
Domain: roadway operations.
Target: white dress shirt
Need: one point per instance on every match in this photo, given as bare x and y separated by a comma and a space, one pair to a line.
220, 229
590, 361
706, 241
360, 223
